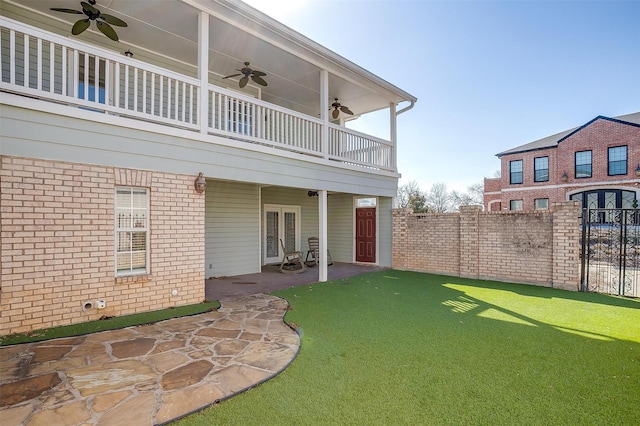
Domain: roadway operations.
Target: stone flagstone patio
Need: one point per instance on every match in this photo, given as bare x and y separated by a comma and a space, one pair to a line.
149, 374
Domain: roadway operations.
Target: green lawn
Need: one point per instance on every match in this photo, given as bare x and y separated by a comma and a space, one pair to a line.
406, 348
110, 323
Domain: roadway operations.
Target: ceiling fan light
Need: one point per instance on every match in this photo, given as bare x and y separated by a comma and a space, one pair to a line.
93, 14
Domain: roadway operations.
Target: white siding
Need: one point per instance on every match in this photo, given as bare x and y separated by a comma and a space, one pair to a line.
232, 228
109, 140
340, 227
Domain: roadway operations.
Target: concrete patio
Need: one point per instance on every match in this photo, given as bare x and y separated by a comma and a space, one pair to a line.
271, 279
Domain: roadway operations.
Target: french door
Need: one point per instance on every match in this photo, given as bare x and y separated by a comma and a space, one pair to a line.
281, 223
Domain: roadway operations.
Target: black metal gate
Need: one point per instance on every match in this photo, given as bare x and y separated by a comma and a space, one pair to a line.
610, 252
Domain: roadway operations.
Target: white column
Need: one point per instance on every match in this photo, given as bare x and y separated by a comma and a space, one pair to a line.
324, 111
393, 136
203, 70
322, 235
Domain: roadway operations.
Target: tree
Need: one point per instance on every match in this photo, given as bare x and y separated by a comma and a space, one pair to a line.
439, 199
410, 196
473, 196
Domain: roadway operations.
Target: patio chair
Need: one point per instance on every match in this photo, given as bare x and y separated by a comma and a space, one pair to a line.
314, 252
291, 261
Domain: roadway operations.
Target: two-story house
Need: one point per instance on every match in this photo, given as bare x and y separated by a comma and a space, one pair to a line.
148, 145
597, 164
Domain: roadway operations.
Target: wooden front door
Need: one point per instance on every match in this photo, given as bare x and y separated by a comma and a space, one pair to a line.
366, 234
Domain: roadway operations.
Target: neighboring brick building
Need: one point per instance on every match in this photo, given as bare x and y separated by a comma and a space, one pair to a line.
597, 164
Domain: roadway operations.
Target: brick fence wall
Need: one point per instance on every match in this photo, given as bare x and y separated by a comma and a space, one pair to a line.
58, 237
539, 247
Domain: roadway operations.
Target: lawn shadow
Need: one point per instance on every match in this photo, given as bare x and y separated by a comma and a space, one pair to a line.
532, 290
457, 355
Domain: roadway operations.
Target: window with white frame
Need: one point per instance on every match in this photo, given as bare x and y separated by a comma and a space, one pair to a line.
515, 205
541, 203
132, 231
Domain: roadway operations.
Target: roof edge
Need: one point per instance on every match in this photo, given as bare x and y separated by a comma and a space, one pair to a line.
305, 42
565, 134
600, 117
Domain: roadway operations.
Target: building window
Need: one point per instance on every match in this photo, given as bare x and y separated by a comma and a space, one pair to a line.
541, 169
515, 171
541, 203
618, 160
132, 231
515, 205
608, 198
583, 164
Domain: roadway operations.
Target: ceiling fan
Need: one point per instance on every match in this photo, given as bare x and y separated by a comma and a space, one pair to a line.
337, 108
103, 21
247, 72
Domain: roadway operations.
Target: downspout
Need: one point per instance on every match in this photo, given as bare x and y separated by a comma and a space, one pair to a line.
394, 138
393, 130
407, 108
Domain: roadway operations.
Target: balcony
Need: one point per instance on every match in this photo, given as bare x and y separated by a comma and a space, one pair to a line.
73, 74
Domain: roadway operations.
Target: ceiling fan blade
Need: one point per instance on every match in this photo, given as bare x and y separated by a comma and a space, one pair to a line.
335, 113
259, 80
346, 110
230, 76
113, 20
86, 6
259, 73
243, 81
80, 26
60, 9
107, 30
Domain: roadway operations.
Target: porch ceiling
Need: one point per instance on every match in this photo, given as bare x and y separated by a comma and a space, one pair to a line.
238, 33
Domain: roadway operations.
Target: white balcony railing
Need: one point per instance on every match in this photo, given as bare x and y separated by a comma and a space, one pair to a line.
45, 66
357, 148
253, 120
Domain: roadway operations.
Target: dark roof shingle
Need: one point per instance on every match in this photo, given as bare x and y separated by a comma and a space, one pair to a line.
552, 141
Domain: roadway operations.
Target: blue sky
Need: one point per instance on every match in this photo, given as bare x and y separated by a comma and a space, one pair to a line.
488, 75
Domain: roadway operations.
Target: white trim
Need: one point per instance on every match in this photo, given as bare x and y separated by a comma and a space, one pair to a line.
493, 193
299, 45
571, 185
146, 230
203, 71
261, 251
323, 273
281, 209
84, 115
493, 202
355, 230
599, 187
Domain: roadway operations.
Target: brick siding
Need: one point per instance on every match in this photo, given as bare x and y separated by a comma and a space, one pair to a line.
539, 248
57, 248
597, 137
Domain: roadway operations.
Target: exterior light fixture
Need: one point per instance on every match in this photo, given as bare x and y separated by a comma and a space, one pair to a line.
564, 177
638, 170
128, 54
200, 183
